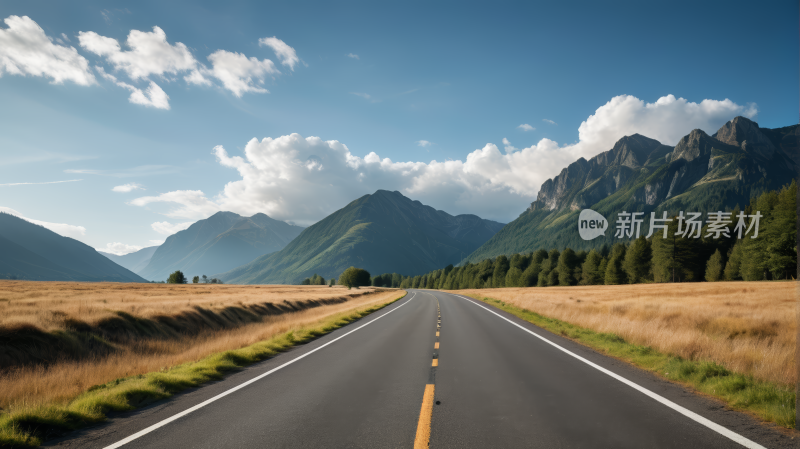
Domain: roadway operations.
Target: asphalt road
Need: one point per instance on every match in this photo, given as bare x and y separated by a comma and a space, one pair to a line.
490, 381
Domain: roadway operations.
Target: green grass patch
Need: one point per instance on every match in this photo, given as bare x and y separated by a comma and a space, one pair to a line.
767, 400
29, 427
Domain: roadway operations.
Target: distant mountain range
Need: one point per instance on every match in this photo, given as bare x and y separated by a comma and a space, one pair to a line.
134, 261
384, 232
701, 173
32, 252
217, 244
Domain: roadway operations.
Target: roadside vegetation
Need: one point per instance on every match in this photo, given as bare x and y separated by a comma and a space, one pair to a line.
732, 340
42, 400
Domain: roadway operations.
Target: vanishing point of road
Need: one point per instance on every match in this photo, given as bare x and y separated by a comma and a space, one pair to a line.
437, 370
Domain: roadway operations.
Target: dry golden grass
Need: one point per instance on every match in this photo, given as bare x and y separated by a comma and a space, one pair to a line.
748, 327
31, 302
46, 304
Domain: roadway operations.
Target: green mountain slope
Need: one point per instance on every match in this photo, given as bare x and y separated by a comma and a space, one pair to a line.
219, 243
135, 261
701, 173
384, 232
32, 252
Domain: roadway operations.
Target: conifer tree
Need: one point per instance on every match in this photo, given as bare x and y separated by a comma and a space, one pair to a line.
637, 261
733, 264
590, 273
567, 261
714, 267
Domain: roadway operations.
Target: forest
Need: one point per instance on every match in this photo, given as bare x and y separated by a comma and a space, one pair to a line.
771, 255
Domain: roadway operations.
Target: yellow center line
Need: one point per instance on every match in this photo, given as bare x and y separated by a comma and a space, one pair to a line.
436, 345
424, 425
437, 333
435, 362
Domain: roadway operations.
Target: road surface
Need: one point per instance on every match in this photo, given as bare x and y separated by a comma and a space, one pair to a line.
442, 370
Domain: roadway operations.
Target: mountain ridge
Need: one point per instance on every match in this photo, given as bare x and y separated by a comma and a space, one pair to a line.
382, 232
639, 174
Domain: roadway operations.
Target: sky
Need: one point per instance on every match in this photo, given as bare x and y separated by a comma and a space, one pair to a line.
123, 123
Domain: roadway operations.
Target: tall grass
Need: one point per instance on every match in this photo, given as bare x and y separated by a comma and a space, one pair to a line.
747, 327
47, 401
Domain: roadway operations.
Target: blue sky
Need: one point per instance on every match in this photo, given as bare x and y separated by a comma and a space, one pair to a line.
462, 77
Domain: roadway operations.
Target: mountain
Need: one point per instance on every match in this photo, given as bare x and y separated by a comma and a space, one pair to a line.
701, 173
32, 252
134, 261
383, 233
219, 243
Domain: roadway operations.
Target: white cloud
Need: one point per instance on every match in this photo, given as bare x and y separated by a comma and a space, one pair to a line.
156, 242
237, 72
509, 148
154, 97
275, 177
549, 121
125, 188
149, 54
193, 203
119, 249
64, 36
526, 127
362, 95
351, 55
26, 50
167, 228
423, 143
285, 53
66, 230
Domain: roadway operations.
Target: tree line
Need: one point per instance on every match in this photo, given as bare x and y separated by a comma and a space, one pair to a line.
770, 256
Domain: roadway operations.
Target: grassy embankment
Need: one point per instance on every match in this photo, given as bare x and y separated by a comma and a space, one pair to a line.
44, 400
734, 341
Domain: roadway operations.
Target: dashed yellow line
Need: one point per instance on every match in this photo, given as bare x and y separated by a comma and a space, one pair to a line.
424, 425
437, 333
436, 345
435, 362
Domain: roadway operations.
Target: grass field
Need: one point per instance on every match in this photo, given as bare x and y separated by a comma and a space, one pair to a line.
126, 330
732, 340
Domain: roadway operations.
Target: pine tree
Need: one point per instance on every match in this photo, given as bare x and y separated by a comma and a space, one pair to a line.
714, 267
637, 261
614, 274
734, 262
552, 278
513, 277
567, 262
590, 274
501, 266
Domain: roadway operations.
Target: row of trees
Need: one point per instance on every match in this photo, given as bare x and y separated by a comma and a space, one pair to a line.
771, 255
315, 280
177, 277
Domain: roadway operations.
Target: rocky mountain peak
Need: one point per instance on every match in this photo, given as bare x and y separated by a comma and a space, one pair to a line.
745, 134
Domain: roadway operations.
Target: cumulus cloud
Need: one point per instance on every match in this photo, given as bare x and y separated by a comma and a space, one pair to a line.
238, 73
549, 121
125, 188
67, 230
149, 54
285, 53
153, 96
526, 127
119, 249
423, 143
26, 50
167, 228
352, 55
304, 179
156, 242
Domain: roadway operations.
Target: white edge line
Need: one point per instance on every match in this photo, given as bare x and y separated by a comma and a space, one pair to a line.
686, 412
159, 424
